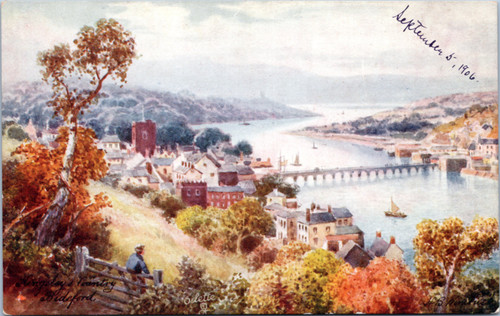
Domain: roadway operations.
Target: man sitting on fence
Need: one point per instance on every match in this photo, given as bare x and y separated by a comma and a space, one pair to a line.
136, 265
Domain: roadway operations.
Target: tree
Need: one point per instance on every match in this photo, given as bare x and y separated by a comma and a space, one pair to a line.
267, 184
97, 127
246, 218
210, 136
170, 204
101, 52
243, 147
38, 174
17, 133
383, 287
443, 249
264, 253
123, 130
174, 133
291, 252
475, 294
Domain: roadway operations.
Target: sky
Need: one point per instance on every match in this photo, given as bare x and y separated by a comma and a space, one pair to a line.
317, 38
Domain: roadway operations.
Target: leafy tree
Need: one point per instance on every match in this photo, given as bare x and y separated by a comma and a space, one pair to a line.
123, 130
443, 249
6, 124
209, 137
17, 133
291, 252
170, 204
264, 253
38, 173
296, 287
246, 218
174, 133
475, 294
97, 127
267, 184
243, 147
101, 52
383, 287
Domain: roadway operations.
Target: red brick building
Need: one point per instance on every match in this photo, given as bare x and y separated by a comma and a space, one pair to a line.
193, 193
144, 137
224, 197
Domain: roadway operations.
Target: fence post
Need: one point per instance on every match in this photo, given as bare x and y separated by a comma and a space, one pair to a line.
158, 277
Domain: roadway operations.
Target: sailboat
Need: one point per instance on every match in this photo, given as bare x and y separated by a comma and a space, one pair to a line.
314, 146
394, 211
297, 161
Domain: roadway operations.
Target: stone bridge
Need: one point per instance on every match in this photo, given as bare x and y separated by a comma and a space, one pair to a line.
352, 172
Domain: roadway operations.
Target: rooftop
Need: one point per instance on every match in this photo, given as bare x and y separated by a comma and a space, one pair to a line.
275, 193
348, 230
488, 141
162, 161
341, 212
379, 247
110, 139
225, 189
288, 214
317, 218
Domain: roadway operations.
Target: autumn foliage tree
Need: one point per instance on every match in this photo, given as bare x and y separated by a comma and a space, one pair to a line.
383, 287
100, 52
297, 286
36, 184
443, 249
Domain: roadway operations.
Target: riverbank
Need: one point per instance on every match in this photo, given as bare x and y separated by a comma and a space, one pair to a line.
482, 174
383, 142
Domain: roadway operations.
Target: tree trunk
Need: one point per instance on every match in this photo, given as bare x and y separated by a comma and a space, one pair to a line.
46, 230
238, 244
446, 292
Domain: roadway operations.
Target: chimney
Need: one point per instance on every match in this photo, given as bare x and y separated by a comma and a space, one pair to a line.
308, 215
378, 234
340, 244
329, 208
393, 240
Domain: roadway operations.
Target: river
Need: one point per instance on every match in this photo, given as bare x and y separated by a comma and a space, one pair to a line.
435, 195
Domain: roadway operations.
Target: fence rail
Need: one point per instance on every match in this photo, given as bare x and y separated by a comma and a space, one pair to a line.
133, 284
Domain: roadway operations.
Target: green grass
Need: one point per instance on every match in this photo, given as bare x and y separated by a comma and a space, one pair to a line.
134, 221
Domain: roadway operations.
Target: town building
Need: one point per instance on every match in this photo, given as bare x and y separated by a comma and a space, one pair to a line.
144, 137
354, 254
186, 172
276, 197
488, 147
389, 250
110, 143
286, 225
164, 167
193, 193
224, 197
228, 175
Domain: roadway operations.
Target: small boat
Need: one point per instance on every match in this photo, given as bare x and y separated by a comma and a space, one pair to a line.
314, 146
378, 148
244, 123
296, 162
394, 211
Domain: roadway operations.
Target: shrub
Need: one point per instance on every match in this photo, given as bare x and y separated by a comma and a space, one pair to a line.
137, 190
193, 292
17, 133
170, 204
264, 253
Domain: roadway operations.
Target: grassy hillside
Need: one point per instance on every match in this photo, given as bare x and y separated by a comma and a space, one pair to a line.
133, 222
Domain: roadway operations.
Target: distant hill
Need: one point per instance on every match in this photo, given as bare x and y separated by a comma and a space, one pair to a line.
415, 120
24, 101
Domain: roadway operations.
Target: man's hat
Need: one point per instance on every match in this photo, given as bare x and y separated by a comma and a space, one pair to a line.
139, 247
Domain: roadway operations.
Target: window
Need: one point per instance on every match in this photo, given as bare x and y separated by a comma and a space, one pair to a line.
212, 175
188, 193
204, 165
197, 192
315, 230
144, 135
327, 229
234, 196
315, 241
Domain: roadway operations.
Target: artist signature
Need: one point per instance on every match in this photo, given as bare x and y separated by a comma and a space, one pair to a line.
417, 28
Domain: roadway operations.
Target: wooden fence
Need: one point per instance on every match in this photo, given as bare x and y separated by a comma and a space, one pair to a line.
133, 284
